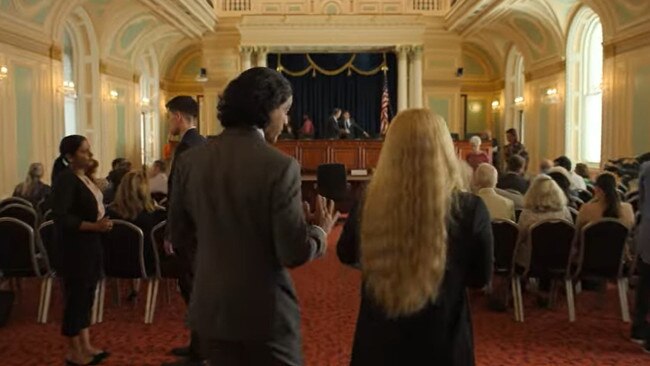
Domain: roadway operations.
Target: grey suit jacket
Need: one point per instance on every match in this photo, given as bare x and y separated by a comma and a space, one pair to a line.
242, 197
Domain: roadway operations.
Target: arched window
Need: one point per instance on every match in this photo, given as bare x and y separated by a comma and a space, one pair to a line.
514, 93
70, 100
584, 107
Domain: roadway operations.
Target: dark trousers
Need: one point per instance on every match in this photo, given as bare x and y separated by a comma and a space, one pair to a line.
642, 305
239, 353
185, 284
79, 296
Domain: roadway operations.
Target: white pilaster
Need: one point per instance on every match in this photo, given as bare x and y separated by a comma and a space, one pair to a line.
245, 52
402, 78
261, 53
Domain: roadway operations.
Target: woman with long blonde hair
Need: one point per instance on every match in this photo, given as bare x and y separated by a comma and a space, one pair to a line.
133, 203
421, 241
33, 189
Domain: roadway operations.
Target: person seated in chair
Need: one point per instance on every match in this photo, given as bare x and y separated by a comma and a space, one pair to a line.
133, 203
350, 129
485, 180
307, 129
544, 200
563, 179
158, 177
33, 189
606, 203
577, 182
476, 156
513, 178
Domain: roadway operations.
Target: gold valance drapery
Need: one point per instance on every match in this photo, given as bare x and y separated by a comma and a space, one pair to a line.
348, 66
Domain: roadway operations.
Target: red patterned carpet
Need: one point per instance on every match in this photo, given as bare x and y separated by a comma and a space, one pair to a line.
329, 295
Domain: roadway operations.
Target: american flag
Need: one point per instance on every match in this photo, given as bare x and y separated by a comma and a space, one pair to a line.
385, 107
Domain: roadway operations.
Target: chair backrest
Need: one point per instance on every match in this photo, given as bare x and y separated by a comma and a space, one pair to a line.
17, 249
332, 181
514, 191
584, 195
517, 214
591, 189
21, 212
47, 236
631, 194
13, 201
166, 266
550, 243
574, 213
505, 233
124, 251
602, 244
48, 215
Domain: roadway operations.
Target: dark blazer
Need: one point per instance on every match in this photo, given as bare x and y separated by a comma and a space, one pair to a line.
513, 181
192, 138
356, 131
441, 333
242, 199
81, 251
145, 221
331, 128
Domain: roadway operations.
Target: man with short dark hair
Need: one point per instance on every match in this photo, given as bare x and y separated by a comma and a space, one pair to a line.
182, 112
350, 128
577, 182
513, 178
332, 129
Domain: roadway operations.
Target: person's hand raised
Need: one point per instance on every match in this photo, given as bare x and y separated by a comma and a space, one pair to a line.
325, 214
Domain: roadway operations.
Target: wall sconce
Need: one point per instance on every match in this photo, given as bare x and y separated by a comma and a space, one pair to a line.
145, 104
551, 96
519, 101
496, 105
475, 107
4, 71
68, 90
113, 94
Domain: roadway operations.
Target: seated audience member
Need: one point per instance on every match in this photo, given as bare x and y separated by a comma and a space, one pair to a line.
513, 177
476, 157
158, 177
485, 179
640, 327
33, 189
577, 182
515, 147
563, 180
583, 171
544, 200
606, 203
307, 128
414, 304
120, 167
516, 197
133, 203
545, 165
91, 172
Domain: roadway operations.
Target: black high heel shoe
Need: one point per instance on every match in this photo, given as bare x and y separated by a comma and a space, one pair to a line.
99, 358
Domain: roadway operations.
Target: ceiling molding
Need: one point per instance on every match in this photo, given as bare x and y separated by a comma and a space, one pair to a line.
188, 16
25, 41
546, 70
625, 44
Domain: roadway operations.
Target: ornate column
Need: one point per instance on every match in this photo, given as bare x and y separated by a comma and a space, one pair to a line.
402, 77
261, 56
246, 52
415, 77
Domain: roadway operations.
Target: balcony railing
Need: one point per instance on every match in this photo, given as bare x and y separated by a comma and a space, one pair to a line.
227, 8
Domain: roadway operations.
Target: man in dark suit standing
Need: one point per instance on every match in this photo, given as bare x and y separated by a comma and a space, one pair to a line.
350, 128
242, 200
332, 129
182, 112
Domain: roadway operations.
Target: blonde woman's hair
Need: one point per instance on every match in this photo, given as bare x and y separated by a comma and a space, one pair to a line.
133, 196
34, 175
406, 210
544, 195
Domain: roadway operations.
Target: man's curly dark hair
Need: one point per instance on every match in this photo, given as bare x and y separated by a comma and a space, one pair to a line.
248, 100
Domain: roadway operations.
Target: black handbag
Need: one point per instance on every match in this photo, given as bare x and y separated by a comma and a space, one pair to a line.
6, 303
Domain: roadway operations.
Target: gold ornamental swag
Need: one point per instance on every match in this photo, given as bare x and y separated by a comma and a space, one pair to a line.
348, 66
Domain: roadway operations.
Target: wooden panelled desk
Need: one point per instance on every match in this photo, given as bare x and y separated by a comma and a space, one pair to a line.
354, 154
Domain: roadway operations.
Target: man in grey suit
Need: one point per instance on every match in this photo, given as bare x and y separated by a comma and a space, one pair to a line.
242, 201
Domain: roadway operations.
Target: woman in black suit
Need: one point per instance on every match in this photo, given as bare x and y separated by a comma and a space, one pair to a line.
419, 241
79, 221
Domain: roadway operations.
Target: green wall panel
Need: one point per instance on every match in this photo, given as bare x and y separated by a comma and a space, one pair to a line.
24, 88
